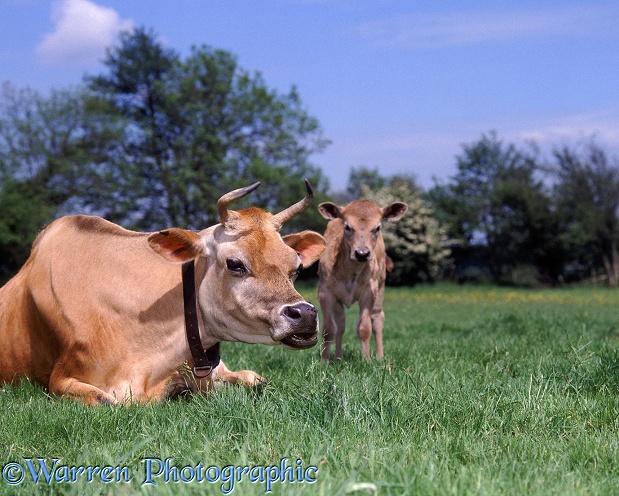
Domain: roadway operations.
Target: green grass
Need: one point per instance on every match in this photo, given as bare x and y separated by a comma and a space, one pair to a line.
483, 391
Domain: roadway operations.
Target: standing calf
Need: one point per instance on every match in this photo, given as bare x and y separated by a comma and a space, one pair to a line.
353, 268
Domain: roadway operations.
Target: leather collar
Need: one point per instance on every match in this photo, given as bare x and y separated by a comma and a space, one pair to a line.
204, 362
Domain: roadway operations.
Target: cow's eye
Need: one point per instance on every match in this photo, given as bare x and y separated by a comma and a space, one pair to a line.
376, 230
295, 274
347, 228
235, 266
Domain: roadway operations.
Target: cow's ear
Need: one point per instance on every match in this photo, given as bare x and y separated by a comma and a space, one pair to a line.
177, 245
330, 210
308, 245
395, 211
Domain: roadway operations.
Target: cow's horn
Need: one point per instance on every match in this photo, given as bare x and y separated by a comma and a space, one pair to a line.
229, 198
297, 208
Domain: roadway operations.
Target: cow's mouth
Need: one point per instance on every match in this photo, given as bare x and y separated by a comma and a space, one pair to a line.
300, 340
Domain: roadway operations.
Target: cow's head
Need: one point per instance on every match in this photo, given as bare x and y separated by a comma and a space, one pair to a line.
247, 292
362, 224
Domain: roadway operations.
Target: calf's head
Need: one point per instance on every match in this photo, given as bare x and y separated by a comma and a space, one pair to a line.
247, 292
362, 224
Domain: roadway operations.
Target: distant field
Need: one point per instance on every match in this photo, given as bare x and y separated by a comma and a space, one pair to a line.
483, 391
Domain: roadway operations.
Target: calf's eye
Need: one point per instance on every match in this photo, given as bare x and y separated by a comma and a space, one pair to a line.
235, 266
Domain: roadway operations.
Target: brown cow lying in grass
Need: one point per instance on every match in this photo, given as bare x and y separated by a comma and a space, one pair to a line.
353, 269
96, 313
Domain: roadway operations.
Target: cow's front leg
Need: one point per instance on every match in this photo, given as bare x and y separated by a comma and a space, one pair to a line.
222, 376
185, 382
72, 388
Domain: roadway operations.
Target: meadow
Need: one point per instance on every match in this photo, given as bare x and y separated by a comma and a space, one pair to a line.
488, 391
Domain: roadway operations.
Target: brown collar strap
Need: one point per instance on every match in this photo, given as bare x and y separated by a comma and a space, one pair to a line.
204, 362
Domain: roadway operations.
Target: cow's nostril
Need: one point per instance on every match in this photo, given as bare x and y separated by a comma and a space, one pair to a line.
300, 311
292, 313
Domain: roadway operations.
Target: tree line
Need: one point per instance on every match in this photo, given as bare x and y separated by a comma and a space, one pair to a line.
520, 218
155, 139
512, 216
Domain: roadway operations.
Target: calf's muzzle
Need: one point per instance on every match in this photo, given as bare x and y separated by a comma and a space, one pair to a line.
363, 255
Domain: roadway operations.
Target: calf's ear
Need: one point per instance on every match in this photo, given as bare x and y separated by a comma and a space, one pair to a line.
330, 210
395, 211
308, 245
176, 245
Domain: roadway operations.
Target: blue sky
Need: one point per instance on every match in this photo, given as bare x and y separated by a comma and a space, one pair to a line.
398, 85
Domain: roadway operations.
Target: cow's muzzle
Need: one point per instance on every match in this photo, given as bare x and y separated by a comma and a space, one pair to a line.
302, 319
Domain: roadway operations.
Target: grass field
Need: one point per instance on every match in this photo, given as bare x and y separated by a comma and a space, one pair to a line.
483, 391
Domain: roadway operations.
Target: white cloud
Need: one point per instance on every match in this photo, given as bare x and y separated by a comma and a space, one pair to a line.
82, 31
603, 126
465, 27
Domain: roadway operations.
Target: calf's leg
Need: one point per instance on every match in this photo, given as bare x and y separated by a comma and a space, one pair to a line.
364, 331
378, 322
333, 325
367, 303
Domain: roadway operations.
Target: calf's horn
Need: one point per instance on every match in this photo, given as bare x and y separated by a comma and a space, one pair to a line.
295, 209
229, 198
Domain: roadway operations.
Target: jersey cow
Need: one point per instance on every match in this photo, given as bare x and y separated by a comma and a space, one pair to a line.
353, 269
96, 313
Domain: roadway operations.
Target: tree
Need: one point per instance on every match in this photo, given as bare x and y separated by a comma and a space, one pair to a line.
38, 139
587, 198
40, 158
196, 128
522, 238
466, 200
24, 212
499, 209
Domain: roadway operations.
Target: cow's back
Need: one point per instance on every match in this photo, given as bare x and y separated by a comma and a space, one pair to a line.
49, 307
